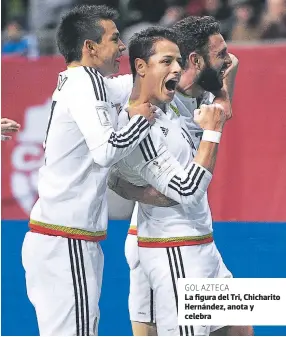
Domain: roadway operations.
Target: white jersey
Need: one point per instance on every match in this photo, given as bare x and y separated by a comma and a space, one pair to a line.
165, 160
186, 106
80, 146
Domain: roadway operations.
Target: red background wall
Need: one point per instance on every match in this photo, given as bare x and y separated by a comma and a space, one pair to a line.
250, 178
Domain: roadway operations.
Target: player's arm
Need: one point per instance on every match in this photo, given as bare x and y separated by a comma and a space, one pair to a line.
144, 194
155, 164
91, 111
225, 95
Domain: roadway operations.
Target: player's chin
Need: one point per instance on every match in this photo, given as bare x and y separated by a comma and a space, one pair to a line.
168, 95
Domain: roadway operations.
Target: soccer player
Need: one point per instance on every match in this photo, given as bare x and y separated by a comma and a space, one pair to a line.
8, 126
61, 254
207, 63
151, 60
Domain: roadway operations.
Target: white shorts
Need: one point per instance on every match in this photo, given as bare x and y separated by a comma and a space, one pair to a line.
163, 266
63, 278
141, 300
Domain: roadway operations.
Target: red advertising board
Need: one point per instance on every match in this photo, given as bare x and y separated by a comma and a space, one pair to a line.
250, 178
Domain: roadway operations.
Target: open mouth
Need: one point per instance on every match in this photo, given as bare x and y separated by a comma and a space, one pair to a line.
171, 84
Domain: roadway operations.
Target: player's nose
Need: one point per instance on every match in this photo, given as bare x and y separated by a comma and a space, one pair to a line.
122, 46
176, 68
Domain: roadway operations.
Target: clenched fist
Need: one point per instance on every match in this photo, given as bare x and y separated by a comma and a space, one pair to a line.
210, 117
145, 109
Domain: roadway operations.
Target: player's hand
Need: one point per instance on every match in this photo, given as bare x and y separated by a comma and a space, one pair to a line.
232, 65
146, 109
210, 117
8, 125
4, 138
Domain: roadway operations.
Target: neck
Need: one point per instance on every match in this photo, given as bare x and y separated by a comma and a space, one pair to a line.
189, 88
141, 94
187, 85
86, 63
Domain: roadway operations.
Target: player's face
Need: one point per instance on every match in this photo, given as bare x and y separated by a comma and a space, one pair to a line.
110, 49
163, 71
210, 78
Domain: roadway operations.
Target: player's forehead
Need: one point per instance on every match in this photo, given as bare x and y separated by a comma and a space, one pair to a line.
166, 48
109, 27
216, 44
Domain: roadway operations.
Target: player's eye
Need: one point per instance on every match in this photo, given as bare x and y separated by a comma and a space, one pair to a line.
115, 39
180, 62
167, 61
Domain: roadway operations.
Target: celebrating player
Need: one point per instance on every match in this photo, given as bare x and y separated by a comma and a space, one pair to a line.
61, 254
168, 160
208, 67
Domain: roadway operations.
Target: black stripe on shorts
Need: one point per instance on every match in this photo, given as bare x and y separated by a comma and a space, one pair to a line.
80, 287
177, 270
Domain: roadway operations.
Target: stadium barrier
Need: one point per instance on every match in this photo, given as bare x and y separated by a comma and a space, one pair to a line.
249, 182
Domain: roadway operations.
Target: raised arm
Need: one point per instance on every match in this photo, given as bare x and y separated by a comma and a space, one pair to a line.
156, 165
225, 95
230, 76
91, 110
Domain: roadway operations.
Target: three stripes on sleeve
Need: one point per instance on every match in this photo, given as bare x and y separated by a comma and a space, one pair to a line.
136, 126
190, 185
185, 187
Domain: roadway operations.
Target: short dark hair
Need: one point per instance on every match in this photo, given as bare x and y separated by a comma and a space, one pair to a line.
142, 44
80, 24
193, 34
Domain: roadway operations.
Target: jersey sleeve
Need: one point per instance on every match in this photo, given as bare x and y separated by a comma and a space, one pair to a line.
119, 88
156, 165
90, 108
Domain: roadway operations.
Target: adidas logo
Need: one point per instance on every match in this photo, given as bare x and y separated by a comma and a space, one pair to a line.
164, 130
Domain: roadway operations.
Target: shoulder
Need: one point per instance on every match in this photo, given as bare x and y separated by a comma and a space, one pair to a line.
121, 80
87, 75
119, 88
87, 80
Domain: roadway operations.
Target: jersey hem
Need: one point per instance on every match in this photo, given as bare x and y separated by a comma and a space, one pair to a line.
174, 242
66, 232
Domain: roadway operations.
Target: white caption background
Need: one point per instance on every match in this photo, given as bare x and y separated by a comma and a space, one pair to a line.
231, 302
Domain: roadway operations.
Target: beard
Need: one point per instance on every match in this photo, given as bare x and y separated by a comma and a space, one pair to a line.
209, 79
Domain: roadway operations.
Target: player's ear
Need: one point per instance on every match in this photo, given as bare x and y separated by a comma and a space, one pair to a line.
140, 67
91, 47
196, 60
